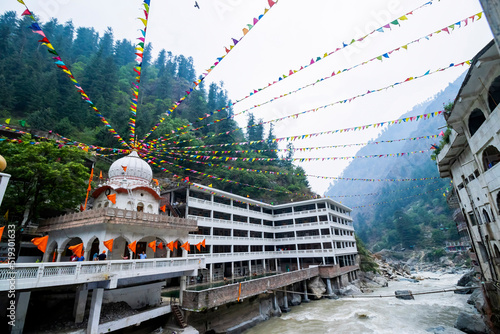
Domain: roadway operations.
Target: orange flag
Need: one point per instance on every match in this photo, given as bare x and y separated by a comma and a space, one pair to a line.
198, 246
156, 181
152, 245
109, 244
41, 243
203, 243
160, 245
176, 244
77, 249
124, 168
112, 198
163, 208
186, 246
133, 246
170, 246
100, 175
1, 231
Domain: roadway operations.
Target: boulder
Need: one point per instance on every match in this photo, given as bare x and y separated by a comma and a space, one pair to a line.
477, 300
466, 278
349, 290
404, 294
294, 299
317, 287
471, 323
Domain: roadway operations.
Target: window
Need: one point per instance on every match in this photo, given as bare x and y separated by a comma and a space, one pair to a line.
476, 119
486, 216
491, 157
494, 94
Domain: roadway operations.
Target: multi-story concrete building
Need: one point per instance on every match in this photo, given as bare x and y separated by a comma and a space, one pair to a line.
471, 159
246, 237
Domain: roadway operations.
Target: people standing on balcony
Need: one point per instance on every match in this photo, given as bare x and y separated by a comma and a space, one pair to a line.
102, 256
143, 256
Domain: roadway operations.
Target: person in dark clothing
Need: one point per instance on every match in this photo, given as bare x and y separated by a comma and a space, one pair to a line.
102, 256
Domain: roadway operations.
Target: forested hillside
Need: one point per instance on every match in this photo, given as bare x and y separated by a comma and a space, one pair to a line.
38, 95
402, 214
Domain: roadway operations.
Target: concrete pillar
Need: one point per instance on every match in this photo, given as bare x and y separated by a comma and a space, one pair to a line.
492, 11
275, 302
211, 266
298, 263
22, 302
232, 270
264, 265
250, 267
80, 304
285, 302
329, 290
95, 311
59, 255
276, 264
182, 287
169, 253
305, 299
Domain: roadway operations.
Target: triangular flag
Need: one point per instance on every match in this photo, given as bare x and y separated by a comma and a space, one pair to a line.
160, 245
156, 182
133, 246
170, 246
210, 185
1, 231
77, 249
186, 246
41, 242
26, 12
100, 175
7, 121
198, 246
203, 243
124, 168
163, 208
112, 198
176, 245
109, 244
152, 245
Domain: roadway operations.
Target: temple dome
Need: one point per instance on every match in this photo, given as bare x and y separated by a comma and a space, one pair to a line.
131, 166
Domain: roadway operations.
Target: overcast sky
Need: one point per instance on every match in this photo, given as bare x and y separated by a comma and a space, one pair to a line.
290, 34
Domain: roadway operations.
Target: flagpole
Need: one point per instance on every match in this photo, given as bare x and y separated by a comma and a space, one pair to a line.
90, 187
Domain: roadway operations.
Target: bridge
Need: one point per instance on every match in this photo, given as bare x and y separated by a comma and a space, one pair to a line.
91, 275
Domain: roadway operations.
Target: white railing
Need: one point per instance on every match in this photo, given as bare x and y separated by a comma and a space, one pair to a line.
37, 275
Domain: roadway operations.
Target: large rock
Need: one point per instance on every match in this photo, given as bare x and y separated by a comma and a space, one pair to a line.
404, 294
349, 290
317, 287
294, 299
466, 278
477, 300
471, 323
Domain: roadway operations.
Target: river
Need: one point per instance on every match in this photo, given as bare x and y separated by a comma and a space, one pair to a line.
366, 314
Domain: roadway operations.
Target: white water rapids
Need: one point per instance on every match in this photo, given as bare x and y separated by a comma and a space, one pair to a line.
377, 315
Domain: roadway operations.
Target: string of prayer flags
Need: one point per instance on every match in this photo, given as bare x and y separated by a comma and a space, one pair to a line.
112, 198
77, 249
109, 244
294, 149
291, 72
35, 27
397, 199
347, 100
138, 70
152, 245
204, 75
41, 243
133, 246
415, 118
212, 157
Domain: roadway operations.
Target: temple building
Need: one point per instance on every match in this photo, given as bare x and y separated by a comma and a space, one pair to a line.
470, 157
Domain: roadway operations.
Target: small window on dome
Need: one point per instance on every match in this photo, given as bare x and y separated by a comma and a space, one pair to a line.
106, 204
140, 207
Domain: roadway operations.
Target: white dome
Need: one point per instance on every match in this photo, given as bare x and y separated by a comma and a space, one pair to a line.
131, 166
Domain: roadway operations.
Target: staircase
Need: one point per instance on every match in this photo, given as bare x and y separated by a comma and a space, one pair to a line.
178, 316
174, 211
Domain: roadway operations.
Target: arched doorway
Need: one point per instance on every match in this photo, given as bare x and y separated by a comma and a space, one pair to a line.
120, 249
94, 249
476, 119
68, 253
491, 156
177, 251
494, 94
52, 252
